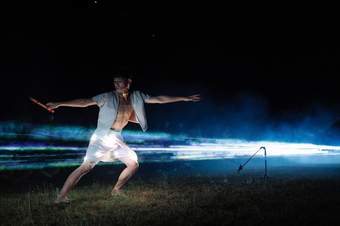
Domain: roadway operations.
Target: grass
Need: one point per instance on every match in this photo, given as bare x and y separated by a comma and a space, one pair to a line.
195, 200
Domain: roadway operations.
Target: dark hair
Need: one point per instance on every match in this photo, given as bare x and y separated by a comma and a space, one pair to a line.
124, 75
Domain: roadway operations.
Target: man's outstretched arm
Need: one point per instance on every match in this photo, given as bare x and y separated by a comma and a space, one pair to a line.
170, 99
72, 103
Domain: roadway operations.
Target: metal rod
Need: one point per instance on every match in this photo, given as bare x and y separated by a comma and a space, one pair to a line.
265, 162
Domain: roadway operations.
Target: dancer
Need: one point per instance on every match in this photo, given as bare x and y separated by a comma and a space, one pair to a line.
117, 108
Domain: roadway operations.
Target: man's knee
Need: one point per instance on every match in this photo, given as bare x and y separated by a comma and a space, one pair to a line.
87, 166
133, 165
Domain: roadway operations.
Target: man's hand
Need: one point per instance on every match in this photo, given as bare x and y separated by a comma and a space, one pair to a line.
193, 98
52, 105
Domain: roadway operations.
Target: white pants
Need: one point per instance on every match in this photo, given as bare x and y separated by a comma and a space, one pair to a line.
108, 147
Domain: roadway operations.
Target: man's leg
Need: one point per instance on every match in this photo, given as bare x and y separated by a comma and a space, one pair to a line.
73, 179
131, 168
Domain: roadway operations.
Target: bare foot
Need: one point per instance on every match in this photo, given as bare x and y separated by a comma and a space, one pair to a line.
62, 200
116, 192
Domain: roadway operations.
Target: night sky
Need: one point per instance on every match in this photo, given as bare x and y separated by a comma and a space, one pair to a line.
252, 67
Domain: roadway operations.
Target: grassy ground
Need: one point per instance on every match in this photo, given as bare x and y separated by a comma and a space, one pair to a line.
179, 200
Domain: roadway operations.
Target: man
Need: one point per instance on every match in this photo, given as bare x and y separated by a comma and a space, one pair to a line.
117, 108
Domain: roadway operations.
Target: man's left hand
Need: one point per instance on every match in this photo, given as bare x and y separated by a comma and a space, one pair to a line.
193, 98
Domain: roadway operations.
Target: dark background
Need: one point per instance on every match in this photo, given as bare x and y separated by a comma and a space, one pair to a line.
255, 66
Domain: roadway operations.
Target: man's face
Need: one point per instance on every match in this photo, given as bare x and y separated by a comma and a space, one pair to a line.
121, 84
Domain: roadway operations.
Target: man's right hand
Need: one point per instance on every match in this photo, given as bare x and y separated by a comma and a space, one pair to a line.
52, 105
